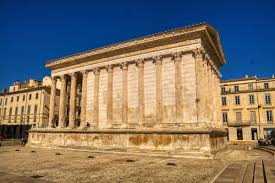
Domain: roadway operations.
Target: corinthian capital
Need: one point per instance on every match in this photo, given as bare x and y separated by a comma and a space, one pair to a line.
96, 70
53, 79
198, 52
73, 75
157, 60
84, 73
140, 62
176, 57
62, 78
124, 65
109, 68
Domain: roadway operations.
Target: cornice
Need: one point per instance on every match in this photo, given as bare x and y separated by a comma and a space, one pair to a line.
26, 90
200, 30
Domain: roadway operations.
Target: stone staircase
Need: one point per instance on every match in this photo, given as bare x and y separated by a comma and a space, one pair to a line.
262, 171
269, 149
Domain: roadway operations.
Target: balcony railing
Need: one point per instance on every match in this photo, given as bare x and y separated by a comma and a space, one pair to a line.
239, 123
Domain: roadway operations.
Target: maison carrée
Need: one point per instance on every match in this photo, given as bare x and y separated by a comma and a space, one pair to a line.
155, 94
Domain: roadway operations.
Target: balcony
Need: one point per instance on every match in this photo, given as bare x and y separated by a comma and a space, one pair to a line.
239, 123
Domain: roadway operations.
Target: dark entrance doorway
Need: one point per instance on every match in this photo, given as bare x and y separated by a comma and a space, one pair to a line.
239, 133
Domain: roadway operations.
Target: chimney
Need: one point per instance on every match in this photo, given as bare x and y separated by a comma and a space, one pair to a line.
4, 91
273, 76
246, 76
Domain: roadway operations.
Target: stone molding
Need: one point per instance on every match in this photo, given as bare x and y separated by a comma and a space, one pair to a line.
199, 29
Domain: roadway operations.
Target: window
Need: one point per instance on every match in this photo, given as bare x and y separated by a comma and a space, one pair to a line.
5, 112
17, 99
267, 98
253, 117
254, 134
35, 112
237, 100
10, 111
250, 86
11, 99
28, 112
236, 88
0, 101
22, 112
223, 89
224, 101
10, 114
29, 109
238, 117
251, 99
6, 101
30, 96
266, 86
0, 111
36, 96
269, 117
224, 118
15, 114
35, 109
23, 97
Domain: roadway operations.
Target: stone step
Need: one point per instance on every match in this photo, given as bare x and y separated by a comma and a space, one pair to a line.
249, 174
259, 173
269, 169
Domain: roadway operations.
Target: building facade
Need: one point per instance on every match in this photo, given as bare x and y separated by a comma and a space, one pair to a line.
24, 106
151, 93
248, 108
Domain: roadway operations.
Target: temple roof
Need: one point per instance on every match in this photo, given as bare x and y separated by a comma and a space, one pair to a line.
210, 33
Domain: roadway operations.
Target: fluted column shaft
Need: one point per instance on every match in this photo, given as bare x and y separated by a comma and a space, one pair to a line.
72, 101
178, 87
198, 55
210, 97
96, 98
110, 95
124, 68
141, 108
83, 99
62, 102
52, 102
159, 98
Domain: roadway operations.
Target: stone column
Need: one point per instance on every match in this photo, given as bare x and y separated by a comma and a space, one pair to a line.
198, 55
96, 98
210, 97
159, 98
140, 65
52, 102
72, 101
110, 95
124, 67
206, 91
62, 102
177, 57
218, 100
83, 99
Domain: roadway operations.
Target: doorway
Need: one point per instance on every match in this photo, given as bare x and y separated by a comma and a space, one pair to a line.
239, 133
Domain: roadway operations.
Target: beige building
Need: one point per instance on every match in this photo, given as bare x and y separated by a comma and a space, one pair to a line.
24, 106
159, 92
248, 108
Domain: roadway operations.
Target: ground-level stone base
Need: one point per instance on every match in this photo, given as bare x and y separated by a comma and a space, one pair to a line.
201, 143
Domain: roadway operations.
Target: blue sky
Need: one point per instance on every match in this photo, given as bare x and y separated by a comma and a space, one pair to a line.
34, 32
